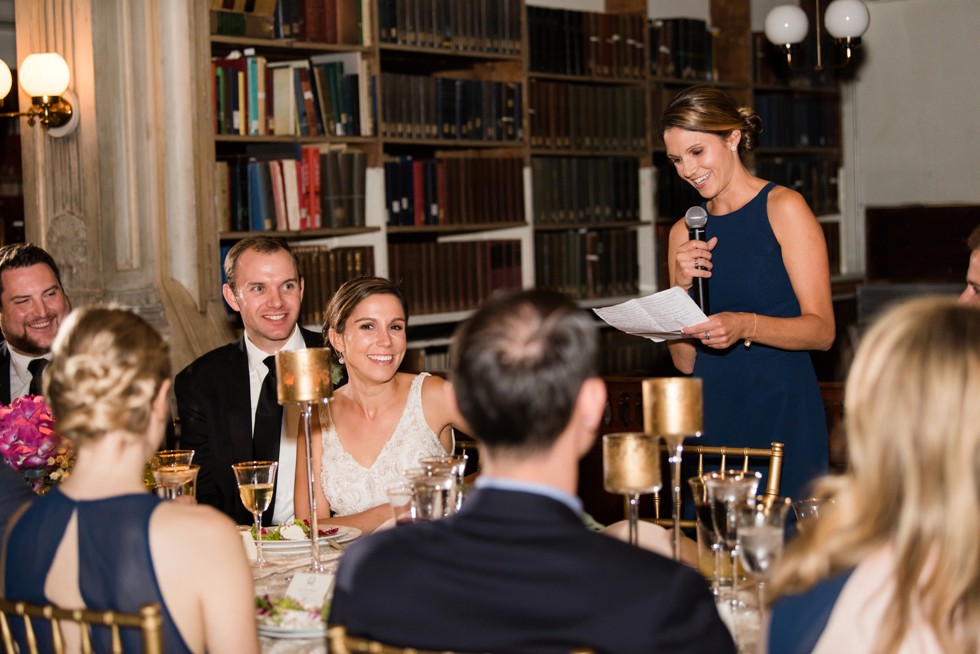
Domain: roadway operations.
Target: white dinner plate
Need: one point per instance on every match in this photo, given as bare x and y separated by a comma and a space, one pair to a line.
343, 535
285, 632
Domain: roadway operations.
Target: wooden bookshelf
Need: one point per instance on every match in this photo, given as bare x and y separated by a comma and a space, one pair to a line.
513, 147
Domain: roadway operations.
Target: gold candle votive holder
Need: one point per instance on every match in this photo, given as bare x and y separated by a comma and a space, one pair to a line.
673, 407
631, 467
303, 376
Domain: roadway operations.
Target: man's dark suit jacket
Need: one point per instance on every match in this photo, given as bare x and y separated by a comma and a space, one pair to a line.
517, 572
4, 373
214, 405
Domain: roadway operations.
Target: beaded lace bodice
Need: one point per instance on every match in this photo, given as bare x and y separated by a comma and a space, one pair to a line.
352, 488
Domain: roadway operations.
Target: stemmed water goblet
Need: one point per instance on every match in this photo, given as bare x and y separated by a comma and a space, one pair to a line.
673, 410
631, 467
760, 539
727, 491
256, 483
706, 531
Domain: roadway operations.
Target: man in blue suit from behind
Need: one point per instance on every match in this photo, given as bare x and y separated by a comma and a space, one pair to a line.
516, 570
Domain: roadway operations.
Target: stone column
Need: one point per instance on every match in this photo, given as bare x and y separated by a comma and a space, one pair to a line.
124, 204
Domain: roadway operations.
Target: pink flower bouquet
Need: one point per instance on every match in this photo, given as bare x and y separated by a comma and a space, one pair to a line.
29, 444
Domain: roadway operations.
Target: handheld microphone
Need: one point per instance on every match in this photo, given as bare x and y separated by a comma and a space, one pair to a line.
696, 219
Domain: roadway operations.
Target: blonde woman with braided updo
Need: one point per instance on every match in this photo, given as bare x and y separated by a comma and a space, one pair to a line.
893, 565
99, 540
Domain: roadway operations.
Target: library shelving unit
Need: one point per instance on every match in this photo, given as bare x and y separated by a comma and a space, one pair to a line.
459, 147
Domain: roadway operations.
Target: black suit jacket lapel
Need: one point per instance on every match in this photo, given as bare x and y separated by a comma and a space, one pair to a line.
4, 373
237, 389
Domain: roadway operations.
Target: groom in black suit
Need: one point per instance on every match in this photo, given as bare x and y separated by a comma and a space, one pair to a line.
33, 305
226, 399
516, 570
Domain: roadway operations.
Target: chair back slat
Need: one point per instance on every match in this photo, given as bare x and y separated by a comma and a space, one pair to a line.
743, 455
149, 622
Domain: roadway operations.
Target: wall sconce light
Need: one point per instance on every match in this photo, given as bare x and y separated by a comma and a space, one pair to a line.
45, 77
845, 20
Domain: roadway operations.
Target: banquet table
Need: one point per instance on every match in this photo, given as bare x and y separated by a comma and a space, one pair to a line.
273, 578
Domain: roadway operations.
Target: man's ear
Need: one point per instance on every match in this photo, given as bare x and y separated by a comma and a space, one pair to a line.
590, 406
230, 298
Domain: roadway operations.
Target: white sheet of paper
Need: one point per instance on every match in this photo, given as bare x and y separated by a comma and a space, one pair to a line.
309, 588
658, 317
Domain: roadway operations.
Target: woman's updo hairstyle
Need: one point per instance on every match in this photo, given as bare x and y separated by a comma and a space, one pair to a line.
106, 368
711, 110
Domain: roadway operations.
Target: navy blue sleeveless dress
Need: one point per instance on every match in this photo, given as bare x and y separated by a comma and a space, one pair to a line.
115, 567
757, 395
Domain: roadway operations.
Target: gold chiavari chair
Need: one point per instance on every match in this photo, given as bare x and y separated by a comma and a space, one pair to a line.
724, 455
343, 643
148, 621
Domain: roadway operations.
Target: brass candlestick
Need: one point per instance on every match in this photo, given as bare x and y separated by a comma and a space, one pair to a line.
631, 466
673, 409
303, 378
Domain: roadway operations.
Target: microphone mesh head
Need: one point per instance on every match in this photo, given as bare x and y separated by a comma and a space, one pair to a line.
696, 217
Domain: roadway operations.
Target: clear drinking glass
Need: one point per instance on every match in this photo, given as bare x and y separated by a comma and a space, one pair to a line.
176, 481
709, 545
727, 491
171, 459
631, 467
256, 483
808, 510
760, 539
400, 498
456, 464
432, 495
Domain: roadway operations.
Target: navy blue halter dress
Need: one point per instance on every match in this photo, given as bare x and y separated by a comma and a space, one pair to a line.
757, 395
115, 566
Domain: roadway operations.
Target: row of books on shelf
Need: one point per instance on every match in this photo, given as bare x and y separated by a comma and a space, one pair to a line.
565, 42
439, 277
311, 189
682, 48
813, 176
491, 26
422, 107
454, 191
585, 189
582, 117
327, 94
792, 120
587, 264
324, 269
341, 22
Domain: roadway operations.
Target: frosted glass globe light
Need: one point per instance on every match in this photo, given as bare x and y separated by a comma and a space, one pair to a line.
847, 18
786, 24
5, 80
43, 74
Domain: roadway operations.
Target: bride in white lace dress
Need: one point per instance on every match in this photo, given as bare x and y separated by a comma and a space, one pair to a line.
381, 421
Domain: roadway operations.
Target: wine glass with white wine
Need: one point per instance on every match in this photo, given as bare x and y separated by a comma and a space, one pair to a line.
256, 483
631, 467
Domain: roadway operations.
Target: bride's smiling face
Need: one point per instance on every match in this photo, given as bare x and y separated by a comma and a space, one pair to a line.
374, 341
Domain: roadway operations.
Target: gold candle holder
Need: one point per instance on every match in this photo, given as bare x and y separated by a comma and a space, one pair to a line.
631, 467
673, 408
303, 378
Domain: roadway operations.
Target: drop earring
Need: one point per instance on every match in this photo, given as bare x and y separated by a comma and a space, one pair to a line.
340, 358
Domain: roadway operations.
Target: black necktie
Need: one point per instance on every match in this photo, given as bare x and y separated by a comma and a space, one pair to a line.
36, 368
268, 418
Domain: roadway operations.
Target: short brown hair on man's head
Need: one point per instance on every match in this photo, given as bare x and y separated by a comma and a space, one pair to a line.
260, 244
24, 255
973, 240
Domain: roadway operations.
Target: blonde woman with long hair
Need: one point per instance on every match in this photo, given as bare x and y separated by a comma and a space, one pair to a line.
894, 564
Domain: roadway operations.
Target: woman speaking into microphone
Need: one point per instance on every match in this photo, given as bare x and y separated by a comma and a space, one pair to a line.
766, 259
